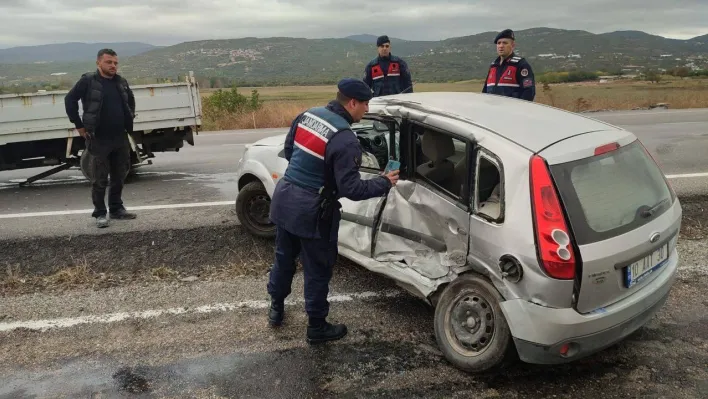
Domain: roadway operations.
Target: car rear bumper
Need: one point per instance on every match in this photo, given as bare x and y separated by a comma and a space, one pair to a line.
540, 333
579, 347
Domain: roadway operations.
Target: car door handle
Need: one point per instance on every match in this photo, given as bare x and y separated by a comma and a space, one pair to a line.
454, 227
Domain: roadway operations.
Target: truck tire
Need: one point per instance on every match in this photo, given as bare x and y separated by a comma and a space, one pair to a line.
470, 328
253, 209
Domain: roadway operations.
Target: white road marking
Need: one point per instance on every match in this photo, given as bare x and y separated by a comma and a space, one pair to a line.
216, 203
131, 208
82, 180
687, 175
44, 325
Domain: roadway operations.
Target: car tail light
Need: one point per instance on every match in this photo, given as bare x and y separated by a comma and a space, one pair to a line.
606, 148
555, 251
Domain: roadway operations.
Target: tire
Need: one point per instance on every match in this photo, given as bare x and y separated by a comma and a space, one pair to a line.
253, 208
475, 297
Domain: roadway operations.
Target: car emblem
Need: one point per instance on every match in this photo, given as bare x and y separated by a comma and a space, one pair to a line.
654, 237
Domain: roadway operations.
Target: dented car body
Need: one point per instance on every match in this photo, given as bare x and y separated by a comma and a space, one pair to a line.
530, 229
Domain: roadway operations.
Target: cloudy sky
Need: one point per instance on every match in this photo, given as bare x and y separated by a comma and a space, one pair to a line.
165, 22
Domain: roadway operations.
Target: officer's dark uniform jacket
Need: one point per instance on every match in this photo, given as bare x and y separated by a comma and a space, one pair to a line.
322, 150
90, 90
388, 75
513, 78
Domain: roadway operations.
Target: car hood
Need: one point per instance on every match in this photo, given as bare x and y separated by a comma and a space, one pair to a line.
273, 141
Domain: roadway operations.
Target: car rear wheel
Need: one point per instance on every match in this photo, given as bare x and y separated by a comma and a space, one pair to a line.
470, 328
253, 210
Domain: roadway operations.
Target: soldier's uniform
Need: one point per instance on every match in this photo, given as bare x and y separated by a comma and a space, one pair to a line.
513, 77
324, 156
388, 75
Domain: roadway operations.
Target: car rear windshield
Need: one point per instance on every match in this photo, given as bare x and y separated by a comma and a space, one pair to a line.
612, 193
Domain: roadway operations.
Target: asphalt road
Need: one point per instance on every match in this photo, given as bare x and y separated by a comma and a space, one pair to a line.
179, 311
678, 139
209, 338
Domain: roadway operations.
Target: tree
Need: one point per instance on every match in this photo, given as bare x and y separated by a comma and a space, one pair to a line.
653, 76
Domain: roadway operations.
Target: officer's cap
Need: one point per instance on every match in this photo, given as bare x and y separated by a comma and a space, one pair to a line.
381, 40
505, 34
355, 88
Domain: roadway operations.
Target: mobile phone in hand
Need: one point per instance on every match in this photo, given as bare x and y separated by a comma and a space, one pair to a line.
391, 166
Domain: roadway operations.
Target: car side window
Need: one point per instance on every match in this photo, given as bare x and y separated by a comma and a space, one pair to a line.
489, 187
441, 160
377, 146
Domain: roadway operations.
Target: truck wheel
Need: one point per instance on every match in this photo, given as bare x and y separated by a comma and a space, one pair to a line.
470, 327
253, 209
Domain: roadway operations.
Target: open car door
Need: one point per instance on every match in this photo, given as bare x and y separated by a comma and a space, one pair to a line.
378, 137
423, 229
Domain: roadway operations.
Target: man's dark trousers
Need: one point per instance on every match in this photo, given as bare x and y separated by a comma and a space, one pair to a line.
108, 157
318, 259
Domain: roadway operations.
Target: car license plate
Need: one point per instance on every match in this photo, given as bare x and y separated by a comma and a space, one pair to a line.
637, 271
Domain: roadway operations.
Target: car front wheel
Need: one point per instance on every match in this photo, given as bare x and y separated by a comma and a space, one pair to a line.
470, 328
253, 210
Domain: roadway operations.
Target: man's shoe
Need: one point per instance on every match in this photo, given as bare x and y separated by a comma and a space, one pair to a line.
276, 312
122, 214
101, 222
325, 332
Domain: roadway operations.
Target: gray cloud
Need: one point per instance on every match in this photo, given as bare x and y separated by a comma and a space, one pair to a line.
164, 22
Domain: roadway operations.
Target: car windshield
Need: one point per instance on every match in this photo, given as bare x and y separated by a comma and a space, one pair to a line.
612, 193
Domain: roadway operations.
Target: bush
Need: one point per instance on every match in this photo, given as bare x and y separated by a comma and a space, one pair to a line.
567, 77
233, 102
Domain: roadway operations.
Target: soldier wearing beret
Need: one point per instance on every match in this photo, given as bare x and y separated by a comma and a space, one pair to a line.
387, 74
324, 156
509, 75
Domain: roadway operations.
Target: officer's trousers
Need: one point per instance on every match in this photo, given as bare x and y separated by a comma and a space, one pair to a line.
318, 257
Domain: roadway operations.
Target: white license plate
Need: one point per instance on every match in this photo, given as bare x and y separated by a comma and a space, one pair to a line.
642, 268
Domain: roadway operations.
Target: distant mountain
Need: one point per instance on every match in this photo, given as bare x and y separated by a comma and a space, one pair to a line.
700, 39
371, 39
284, 60
64, 52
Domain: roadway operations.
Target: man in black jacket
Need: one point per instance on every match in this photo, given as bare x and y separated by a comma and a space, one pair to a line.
109, 110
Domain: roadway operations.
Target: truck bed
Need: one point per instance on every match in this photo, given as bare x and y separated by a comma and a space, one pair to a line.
41, 116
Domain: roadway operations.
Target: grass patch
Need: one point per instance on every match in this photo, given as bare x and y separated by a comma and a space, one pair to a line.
281, 104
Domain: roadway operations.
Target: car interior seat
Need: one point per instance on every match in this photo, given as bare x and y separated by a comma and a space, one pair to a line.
488, 189
437, 148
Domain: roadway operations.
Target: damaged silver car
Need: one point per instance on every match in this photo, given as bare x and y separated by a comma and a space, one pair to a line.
529, 229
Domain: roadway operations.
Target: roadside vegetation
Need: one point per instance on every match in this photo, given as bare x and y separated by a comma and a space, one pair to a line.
578, 91
272, 107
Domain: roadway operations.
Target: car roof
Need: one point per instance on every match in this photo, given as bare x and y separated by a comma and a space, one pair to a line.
529, 124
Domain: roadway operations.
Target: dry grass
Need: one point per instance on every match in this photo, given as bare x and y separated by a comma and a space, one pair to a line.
625, 95
283, 103
272, 114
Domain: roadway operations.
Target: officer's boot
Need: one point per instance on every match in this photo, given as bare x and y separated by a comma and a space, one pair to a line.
275, 314
319, 330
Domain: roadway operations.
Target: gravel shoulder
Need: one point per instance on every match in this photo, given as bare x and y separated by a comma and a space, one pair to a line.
207, 335
390, 351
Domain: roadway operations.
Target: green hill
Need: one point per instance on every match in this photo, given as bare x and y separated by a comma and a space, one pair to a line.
285, 60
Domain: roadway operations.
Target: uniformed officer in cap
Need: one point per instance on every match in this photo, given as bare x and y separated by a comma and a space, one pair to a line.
509, 75
324, 156
387, 74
